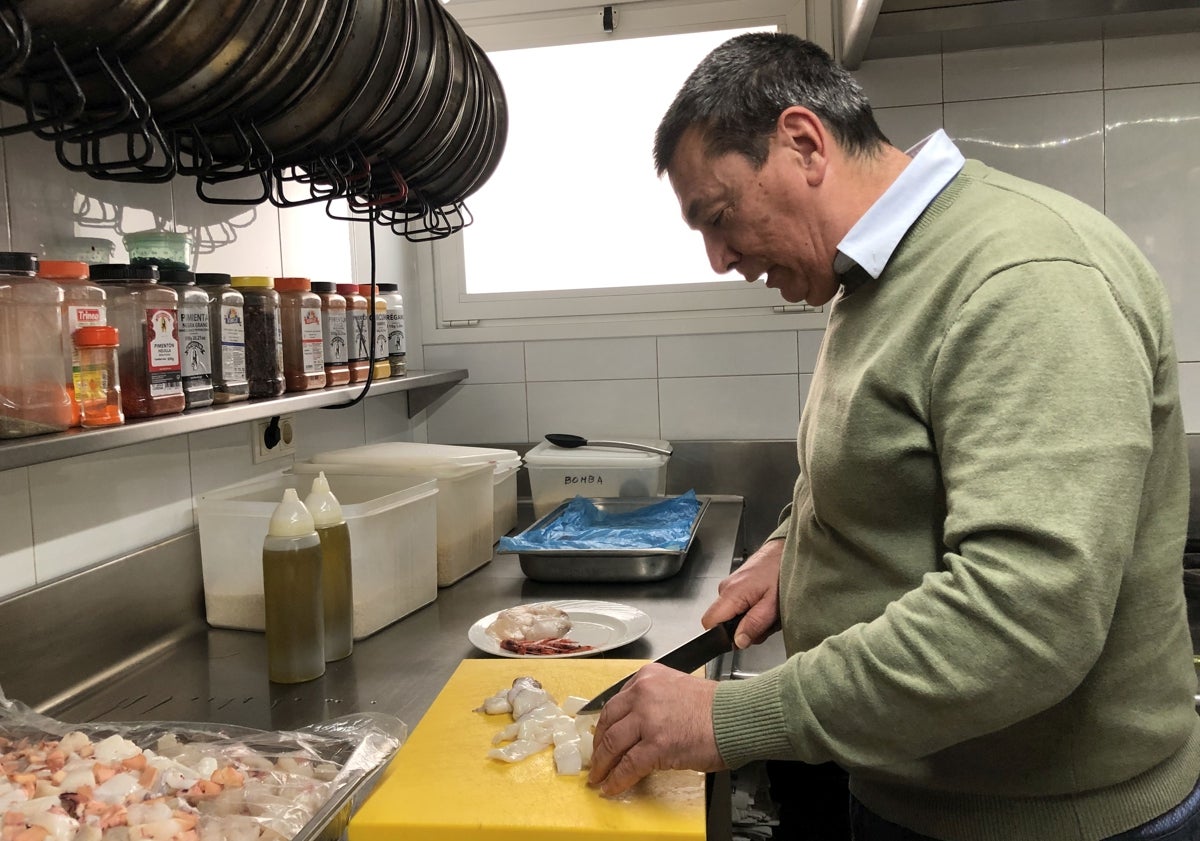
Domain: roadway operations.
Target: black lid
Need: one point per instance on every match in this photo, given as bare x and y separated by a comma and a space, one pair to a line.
324, 286
122, 271
212, 279
388, 287
176, 277
18, 262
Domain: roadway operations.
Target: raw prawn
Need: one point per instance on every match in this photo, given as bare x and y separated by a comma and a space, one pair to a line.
529, 622
545, 647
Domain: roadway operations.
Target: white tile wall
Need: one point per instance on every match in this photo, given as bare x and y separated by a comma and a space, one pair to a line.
730, 408
1022, 71
487, 413
732, 353
590, 359
493, 362
594, 408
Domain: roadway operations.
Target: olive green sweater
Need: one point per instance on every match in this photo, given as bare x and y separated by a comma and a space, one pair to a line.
981, 585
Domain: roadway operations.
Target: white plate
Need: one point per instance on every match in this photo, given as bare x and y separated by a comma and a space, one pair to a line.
602, 625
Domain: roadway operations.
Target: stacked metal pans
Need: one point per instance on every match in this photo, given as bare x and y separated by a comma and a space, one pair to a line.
385, 103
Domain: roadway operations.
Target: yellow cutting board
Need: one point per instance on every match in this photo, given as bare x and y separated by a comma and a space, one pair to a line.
441, 784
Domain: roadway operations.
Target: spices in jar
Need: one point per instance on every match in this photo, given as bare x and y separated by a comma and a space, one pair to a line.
83, 305
333, 329
358, 327
397, 346
98, 382
227, 322
194, 337
264, 335
33, 394
147, 318
379, 356
303, 339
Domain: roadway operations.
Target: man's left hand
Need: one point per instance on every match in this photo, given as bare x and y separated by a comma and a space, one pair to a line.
661, 719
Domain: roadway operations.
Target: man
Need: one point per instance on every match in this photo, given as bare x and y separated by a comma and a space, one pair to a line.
979, 579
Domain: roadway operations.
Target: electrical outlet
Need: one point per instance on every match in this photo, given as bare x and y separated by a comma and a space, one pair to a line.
272, 438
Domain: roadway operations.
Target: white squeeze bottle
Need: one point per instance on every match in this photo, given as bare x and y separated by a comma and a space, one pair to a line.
292, 593
335, 569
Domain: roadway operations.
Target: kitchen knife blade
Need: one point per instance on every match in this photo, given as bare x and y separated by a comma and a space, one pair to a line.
686, 658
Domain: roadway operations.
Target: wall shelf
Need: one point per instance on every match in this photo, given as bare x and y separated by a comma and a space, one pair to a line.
424, 388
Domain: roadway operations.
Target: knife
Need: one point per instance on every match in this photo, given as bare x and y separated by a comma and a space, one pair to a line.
686, 658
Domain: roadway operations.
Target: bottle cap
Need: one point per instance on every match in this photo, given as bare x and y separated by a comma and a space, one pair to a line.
291, 518
292, 284
212, 279
96, 336
18, 262
347, 288
251, 280
63, 270
388, 287
176, 277
322, 504
323, 286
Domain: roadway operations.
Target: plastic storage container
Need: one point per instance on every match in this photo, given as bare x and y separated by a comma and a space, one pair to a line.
164, 249
83, 306
195, 336
504, 498
333, 333
358, 353
556, 473
226, 319
393, 542
380, 357
303, 339
264, 335
466, 493
98, 379
397, 344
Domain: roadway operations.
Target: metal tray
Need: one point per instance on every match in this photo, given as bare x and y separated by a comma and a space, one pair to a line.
606, 565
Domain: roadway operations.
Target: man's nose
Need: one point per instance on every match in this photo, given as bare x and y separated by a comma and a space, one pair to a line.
721, 257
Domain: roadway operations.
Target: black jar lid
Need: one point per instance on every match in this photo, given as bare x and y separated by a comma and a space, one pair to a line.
176, 277
18, 262
212, 279
324, 286
388, 287
122, 271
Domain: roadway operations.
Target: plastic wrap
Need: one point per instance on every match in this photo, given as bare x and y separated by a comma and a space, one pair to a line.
660, 525
181, 781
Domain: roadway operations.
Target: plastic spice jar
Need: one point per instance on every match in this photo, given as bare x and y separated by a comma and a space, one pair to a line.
147, 316
397, 346
383, 367
226, 322
333, 328
162, 249
264, 335
33, 392
98, 383
358, 353
195, 338
83, 306
303, 339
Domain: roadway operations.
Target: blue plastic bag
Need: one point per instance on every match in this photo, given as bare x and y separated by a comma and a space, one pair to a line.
660, 525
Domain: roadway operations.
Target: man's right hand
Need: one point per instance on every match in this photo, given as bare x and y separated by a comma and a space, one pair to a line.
753, 590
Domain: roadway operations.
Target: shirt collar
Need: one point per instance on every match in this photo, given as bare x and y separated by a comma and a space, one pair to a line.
871, 242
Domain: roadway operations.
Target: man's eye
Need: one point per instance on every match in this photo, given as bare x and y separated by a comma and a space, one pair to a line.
721, 216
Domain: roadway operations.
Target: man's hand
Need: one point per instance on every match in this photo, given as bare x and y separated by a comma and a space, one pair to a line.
661, 719
753, 589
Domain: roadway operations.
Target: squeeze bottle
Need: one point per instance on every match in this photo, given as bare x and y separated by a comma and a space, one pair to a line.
335, 568
295, 613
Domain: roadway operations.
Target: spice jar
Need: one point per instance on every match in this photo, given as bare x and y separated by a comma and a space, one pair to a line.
333, 330
33, 393
226, 323
397, 347
194, 337
264, 335
98, 382
83, 305
379, 358
303, 340
358, 326
147, 318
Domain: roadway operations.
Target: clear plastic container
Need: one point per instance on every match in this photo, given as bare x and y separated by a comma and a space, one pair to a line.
86, 250
264, 335
83, 306
556, 473
147, 316
334, 331
358, 354
195, 336
33, 393
303, 338
397, 344
98, 382
383, 366
164, 249
227, 322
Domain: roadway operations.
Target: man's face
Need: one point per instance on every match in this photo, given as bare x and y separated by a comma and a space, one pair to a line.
757, 222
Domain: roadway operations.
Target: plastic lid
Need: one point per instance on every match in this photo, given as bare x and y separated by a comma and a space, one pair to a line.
251, 280
347, 288
364, 289
212, 279
63, 270
387, 287
122, 271
96, 336
18, 262
323, 286
293, 284
322, 504
546, 454
176, 277
291, 518
406, 454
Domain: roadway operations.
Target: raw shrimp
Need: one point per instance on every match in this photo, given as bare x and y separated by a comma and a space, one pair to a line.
529, 623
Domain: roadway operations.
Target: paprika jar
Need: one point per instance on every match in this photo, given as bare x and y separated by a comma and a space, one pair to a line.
303, 339
264, 335
98, 383
194, 337
333, 330
379, 357
146, 316
226, 322
358, 329
83, 306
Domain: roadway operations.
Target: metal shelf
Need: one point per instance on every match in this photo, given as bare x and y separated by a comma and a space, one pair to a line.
423, 386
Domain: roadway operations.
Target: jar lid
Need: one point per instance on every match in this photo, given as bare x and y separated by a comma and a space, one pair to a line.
96, 336
123, 271
365, 289
324, 286
63, 270
18, 262
293, 284
348, 288
251, 280
212, 279
388, 287
176, 277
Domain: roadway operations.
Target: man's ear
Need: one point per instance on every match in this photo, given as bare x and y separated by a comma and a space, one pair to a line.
803, 132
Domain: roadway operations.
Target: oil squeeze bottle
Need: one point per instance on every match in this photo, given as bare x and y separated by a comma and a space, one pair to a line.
335, 568
295, 612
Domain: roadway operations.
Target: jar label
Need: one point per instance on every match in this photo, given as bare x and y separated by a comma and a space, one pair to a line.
312, 341
194, 335
162, 353
381, 336
334, 328
233, 345
360, 346
396, 343
278, 343
91, 384
89, 316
